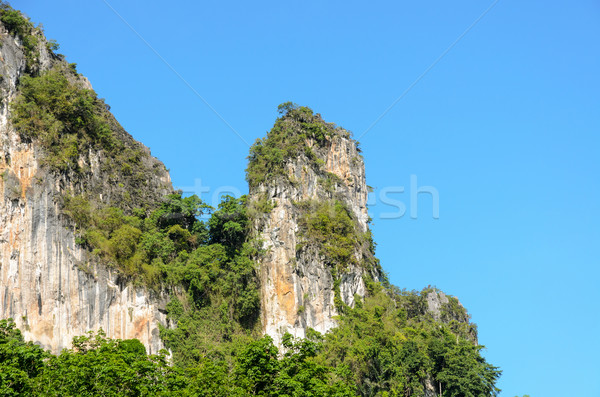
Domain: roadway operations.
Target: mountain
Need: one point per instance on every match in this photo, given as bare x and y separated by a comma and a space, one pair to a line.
51, 150
278, 293
308, 176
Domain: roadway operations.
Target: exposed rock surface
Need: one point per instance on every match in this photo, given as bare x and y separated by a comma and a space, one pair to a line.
447, 309
297, 284
435, 301
49, 284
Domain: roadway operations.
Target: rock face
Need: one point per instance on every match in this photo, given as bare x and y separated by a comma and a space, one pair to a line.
447, 309
435, 302
298, 284
49, 284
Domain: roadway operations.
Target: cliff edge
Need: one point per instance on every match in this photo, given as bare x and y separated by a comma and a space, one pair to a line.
59, 141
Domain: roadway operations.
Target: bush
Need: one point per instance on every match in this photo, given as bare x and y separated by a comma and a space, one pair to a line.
330, 226
64, 118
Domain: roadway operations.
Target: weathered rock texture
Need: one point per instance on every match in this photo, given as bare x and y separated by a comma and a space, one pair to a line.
297, 284
49, 284
447, 309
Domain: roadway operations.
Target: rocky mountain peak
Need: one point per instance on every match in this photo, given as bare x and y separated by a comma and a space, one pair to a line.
309, 193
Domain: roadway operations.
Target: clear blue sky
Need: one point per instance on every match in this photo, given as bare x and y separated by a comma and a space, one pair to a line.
505, 127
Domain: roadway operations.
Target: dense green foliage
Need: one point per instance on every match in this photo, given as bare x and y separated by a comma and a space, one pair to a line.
67, 121
387, 345
288, 139
261, 371
220, 311
330, 225
20, 361
97, 366
392, 346
209, 266
141, 246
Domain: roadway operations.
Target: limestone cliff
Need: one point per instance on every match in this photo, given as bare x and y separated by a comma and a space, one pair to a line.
304, 174
51, 286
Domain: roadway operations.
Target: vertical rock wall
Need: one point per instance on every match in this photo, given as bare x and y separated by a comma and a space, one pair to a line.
297, 285
48, 283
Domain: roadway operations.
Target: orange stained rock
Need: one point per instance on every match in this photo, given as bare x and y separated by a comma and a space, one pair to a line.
284, 288
24, 166
139, 325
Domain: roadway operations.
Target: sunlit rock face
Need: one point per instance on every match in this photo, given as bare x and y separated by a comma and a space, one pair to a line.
297, 284
50, 285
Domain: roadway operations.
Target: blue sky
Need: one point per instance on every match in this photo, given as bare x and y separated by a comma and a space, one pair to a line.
505, 127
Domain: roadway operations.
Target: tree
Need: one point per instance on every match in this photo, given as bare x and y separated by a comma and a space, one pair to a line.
285, 107
20, 361
228, 225
300, 375
257, 367
97, 366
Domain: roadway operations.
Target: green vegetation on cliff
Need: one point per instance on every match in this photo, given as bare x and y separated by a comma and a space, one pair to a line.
207, 266
74, 130
63, 117
22, 27
330, 225
287, 140
393, 346
76, 139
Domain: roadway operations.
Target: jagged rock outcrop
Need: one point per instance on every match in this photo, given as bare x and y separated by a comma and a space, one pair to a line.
50, 285
302, 285
448, 309
436, 302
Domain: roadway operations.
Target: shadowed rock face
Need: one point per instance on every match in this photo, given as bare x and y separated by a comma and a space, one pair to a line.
297, 284
51, 286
